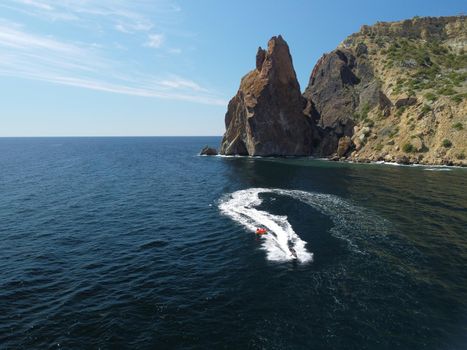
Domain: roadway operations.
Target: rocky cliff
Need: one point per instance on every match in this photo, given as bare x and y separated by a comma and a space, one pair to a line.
266, 117
393, 91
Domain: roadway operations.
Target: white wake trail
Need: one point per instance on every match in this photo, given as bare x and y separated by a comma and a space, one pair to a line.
353, 224
240, 206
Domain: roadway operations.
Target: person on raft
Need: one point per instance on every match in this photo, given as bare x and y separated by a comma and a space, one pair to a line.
293, 252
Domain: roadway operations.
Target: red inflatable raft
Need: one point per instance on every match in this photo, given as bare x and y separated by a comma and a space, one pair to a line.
261, 231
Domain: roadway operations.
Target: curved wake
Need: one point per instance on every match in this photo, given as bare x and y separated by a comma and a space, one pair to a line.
240, 206
282, 240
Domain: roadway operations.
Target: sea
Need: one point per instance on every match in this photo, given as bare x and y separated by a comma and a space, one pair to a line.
140, 243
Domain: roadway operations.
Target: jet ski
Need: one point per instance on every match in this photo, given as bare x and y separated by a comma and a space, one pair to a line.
293, 252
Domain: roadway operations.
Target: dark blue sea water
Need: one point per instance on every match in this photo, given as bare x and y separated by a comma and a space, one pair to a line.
138, 243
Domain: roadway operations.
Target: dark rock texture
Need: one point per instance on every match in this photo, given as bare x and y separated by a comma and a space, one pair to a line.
265, 117
404, 102
329, 90
208, 151
342, 86
344, 146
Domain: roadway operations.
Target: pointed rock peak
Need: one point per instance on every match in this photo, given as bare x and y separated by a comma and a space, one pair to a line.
260, 57
275, 42
278, 63
266, 116
278, 39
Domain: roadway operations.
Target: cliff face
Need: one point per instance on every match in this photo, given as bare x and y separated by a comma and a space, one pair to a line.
393, 91
397, 91
266, 116
340, 84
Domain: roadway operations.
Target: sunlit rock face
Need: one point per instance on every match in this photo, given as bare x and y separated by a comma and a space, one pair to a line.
266, 116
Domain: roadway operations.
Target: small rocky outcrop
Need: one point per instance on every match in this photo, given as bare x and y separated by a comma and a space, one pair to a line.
208, 151
265, 117
344, 146
404, 102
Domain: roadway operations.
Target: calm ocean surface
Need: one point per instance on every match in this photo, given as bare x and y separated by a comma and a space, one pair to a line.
138, 243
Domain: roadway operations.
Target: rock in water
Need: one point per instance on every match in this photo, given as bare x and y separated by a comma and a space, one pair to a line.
265, 117
208, 151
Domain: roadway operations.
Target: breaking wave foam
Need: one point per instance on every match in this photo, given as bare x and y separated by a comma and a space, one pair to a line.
241, 205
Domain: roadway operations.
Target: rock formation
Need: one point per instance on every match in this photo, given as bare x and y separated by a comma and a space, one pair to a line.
398, 90
208, 151
266, 118
341, 85
394, 91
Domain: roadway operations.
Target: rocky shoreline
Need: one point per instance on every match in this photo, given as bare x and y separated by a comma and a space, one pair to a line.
379, 160
400, 161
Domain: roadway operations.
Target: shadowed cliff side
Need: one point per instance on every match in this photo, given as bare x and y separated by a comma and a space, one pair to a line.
265, 117
395, 91
340, 84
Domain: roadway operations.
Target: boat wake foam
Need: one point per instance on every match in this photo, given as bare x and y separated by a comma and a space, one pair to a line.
241, 206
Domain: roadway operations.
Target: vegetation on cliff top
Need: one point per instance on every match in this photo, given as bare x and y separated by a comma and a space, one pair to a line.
421, 66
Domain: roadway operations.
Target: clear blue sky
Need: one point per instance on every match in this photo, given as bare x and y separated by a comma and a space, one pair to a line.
159, 67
